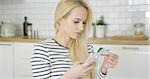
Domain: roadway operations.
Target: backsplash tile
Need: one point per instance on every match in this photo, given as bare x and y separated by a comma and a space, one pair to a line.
119, 14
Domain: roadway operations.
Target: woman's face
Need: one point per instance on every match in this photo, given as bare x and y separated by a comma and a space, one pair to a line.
74, 23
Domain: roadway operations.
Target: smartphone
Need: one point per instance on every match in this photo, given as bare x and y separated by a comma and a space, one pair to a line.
102, 51
99, 52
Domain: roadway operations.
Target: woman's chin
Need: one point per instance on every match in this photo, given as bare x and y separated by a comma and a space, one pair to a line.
75, 37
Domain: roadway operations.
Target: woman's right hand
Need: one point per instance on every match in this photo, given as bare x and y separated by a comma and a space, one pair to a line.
80, 69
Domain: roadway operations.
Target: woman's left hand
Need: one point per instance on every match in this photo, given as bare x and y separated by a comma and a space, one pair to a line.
110, 61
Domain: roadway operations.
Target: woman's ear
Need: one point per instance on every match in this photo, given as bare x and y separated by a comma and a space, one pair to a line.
58, 25
60, 22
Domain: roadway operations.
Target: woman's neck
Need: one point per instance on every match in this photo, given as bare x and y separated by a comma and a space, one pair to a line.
62, 39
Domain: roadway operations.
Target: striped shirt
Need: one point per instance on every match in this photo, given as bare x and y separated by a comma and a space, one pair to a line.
50, 60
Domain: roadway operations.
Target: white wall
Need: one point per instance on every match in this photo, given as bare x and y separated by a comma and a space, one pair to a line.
39, 12
118, 14
148, 17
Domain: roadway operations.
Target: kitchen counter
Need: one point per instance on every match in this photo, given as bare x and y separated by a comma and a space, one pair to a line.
123, 42
91, 40
20, 39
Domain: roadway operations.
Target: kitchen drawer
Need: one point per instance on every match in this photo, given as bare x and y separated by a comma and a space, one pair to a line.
141, 49
23, 51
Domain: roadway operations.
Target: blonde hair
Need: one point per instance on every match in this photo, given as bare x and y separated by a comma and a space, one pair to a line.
77, 47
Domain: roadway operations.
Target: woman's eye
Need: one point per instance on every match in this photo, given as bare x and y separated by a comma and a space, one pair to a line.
84, 22
76, 22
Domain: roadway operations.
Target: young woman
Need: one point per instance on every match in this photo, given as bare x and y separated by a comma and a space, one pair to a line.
65, 55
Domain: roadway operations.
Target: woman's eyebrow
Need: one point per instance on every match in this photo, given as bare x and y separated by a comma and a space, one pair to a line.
79, 19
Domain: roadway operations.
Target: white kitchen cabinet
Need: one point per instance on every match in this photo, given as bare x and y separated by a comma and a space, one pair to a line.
137, 2
134, 61
6, 60
149, 65
22, 55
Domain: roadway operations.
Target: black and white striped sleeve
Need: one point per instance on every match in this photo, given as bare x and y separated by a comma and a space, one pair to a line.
40, 62
90, 48
99, 74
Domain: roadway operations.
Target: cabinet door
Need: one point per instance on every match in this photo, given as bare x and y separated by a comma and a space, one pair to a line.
149, 62
133, 61
6, 60
137, 2
22, 55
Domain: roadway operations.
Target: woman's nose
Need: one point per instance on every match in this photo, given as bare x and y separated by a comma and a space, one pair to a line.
81, 27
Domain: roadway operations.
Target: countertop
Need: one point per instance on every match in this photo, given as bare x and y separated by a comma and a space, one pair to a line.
123, 42
91, 40
20, 39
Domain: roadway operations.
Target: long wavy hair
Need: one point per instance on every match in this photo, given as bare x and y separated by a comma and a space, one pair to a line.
77, 47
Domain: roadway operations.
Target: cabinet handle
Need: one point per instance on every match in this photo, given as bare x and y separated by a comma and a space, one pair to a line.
130, 48
5, 44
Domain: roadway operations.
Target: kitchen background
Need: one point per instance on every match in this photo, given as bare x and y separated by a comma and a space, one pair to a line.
121, 15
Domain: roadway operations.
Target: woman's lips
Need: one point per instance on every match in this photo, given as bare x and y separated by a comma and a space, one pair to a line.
78, 33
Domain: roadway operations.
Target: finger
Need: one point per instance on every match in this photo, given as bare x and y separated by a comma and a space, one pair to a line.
93, 59
112, 63
112, 58
90, 62
84, 74
114, 55
94, 64
79, 62
89, 68
106, 54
